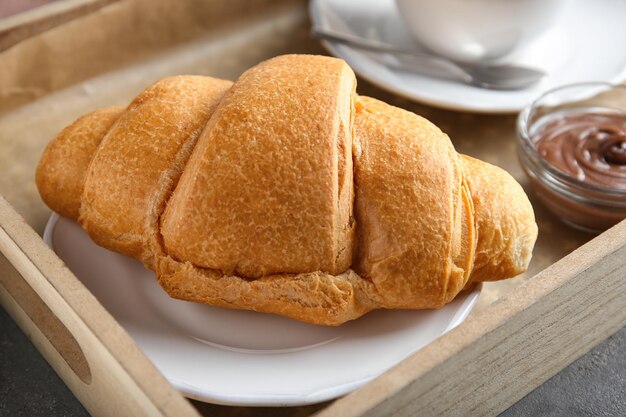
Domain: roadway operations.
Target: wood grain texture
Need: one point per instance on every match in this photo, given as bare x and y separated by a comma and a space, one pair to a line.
122, 380
509, 348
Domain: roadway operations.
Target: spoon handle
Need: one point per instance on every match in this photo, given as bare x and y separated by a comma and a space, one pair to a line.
377, 46
492, 76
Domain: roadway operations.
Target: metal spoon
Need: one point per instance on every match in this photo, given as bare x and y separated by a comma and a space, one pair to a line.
492, 76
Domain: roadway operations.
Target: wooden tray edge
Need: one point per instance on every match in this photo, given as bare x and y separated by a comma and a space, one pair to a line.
35, 284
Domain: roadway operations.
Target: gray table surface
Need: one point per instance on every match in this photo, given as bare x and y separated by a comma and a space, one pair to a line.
594, 385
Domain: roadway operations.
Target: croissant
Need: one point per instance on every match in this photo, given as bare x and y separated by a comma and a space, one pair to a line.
288, 193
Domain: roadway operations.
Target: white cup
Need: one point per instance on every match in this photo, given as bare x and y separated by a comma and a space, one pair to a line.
477, 30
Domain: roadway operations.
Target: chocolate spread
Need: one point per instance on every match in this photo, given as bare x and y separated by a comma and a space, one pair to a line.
588, 146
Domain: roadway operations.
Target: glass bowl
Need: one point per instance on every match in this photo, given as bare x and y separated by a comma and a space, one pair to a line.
579, 202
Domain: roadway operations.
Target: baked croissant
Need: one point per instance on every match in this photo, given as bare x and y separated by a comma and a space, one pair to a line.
287, 193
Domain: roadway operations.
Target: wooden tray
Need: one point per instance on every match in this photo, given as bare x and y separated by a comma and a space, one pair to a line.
521, 333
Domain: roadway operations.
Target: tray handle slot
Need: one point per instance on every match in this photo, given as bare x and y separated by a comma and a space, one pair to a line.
53, 329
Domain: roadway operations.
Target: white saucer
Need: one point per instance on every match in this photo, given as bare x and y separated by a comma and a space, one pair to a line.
587, 43
244, 358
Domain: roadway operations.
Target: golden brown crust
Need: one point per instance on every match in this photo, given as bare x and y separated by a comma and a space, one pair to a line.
505, 222
267, 195
261, 192
408, 213
61, 171
140, 160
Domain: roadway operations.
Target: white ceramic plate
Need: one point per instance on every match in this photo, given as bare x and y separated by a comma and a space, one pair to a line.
244, 358
587, 43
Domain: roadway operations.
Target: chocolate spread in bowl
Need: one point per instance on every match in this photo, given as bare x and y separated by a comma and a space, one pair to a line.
590, 147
